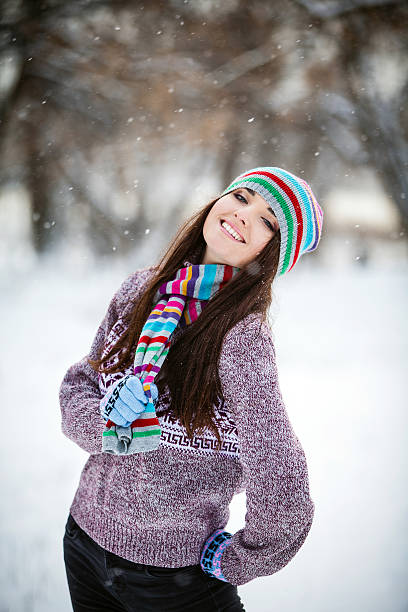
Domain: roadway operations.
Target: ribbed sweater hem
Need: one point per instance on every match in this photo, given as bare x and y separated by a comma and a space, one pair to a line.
175, 546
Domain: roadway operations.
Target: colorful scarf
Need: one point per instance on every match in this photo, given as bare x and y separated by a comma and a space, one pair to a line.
183, 299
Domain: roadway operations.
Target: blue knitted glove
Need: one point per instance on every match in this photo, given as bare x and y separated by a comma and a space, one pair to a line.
125, 400
212, 552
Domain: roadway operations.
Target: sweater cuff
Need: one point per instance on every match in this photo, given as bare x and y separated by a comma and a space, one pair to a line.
212, 552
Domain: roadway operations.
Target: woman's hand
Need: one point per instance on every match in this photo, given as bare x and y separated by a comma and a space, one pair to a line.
125, 400
212, 552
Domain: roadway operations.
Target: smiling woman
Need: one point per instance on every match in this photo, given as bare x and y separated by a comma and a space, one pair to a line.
246, 220
196, 325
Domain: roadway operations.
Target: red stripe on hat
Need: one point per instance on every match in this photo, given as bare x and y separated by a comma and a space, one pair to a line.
296, 206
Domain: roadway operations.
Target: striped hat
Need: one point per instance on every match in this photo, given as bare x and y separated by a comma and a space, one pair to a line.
295, 206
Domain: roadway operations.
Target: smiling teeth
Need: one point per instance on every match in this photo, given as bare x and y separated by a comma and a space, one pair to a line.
231, 231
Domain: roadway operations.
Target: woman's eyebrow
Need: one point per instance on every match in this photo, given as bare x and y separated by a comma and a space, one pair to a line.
268, 208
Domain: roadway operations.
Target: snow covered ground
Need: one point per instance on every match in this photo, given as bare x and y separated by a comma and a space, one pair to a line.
341, 340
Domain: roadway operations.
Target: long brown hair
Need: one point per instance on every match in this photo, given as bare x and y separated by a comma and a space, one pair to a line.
191, 367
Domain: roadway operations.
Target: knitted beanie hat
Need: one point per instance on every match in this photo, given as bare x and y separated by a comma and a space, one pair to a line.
295, 206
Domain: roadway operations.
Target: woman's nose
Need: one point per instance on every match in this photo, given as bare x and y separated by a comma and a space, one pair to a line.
240, 217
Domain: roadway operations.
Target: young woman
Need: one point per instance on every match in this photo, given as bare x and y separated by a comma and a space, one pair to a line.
179, 406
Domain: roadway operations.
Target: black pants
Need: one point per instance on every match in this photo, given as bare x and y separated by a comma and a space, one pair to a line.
100, 581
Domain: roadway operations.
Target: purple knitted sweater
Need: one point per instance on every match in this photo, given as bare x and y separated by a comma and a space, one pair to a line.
160, 507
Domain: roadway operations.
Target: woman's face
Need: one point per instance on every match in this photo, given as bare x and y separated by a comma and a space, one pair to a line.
246, 212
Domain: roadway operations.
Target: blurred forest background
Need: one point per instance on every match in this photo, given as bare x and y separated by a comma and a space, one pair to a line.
119, 117
117, 120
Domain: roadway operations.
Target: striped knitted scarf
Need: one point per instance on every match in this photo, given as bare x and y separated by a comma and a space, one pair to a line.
177, 302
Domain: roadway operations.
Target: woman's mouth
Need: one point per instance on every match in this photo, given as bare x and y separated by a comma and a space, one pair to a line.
227, 229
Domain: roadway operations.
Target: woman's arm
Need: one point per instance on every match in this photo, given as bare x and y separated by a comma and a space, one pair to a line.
79, 393
279, 511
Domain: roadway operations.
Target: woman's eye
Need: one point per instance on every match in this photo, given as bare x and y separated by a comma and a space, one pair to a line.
268, 223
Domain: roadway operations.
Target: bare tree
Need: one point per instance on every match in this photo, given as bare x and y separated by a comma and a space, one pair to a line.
218, 87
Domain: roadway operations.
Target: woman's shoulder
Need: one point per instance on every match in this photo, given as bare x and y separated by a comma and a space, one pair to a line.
139, 277
247, 357
133, 285
250, 332
252, 325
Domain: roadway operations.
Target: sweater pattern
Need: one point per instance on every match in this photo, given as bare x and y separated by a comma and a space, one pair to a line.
173, 433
